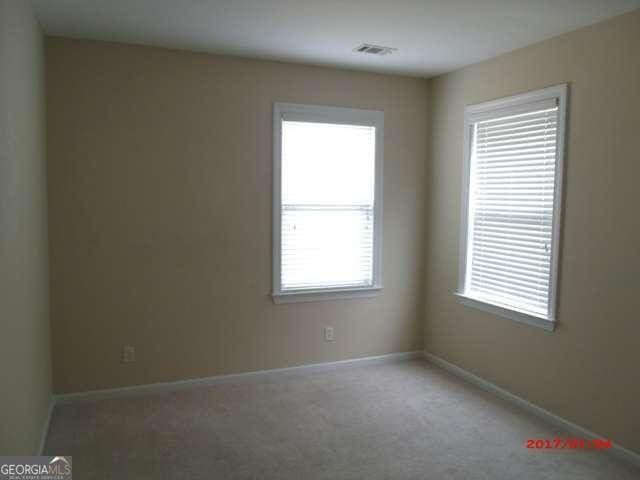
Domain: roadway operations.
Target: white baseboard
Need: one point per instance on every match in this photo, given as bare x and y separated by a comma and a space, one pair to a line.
45, 427
233, 377
540, 412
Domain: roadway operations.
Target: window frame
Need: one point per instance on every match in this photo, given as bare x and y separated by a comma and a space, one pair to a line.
332, 115
492, 109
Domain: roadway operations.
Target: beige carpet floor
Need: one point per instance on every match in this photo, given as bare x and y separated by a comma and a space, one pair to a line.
405, 420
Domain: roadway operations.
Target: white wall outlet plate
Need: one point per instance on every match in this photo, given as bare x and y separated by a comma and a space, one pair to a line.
128, 354
327, 333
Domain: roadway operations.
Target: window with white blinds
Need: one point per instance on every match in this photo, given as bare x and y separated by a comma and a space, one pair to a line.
512, 204
326, 202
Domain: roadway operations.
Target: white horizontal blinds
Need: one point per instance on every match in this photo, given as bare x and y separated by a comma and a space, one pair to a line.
511, 208
327, 223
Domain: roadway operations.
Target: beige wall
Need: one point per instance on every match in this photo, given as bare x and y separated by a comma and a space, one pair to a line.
587, 370
160, 206
25, 369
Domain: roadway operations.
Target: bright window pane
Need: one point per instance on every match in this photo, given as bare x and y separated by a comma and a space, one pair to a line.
327, 164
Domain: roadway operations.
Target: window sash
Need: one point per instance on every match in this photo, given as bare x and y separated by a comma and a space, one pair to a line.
343, 260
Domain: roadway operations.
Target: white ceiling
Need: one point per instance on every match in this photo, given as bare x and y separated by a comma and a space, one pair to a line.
432, 36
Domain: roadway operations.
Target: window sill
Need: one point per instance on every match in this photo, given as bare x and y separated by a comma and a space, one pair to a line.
323, 295
515, 315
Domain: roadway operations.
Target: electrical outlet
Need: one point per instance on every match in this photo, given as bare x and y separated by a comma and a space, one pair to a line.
327, 333
128, 354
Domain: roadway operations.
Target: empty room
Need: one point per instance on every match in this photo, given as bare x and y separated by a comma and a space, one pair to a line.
301, 239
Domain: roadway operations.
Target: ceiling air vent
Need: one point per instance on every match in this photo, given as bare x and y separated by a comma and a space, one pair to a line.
374, 49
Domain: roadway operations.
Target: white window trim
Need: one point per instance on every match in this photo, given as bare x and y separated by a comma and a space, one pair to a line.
505, 106
338, 115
